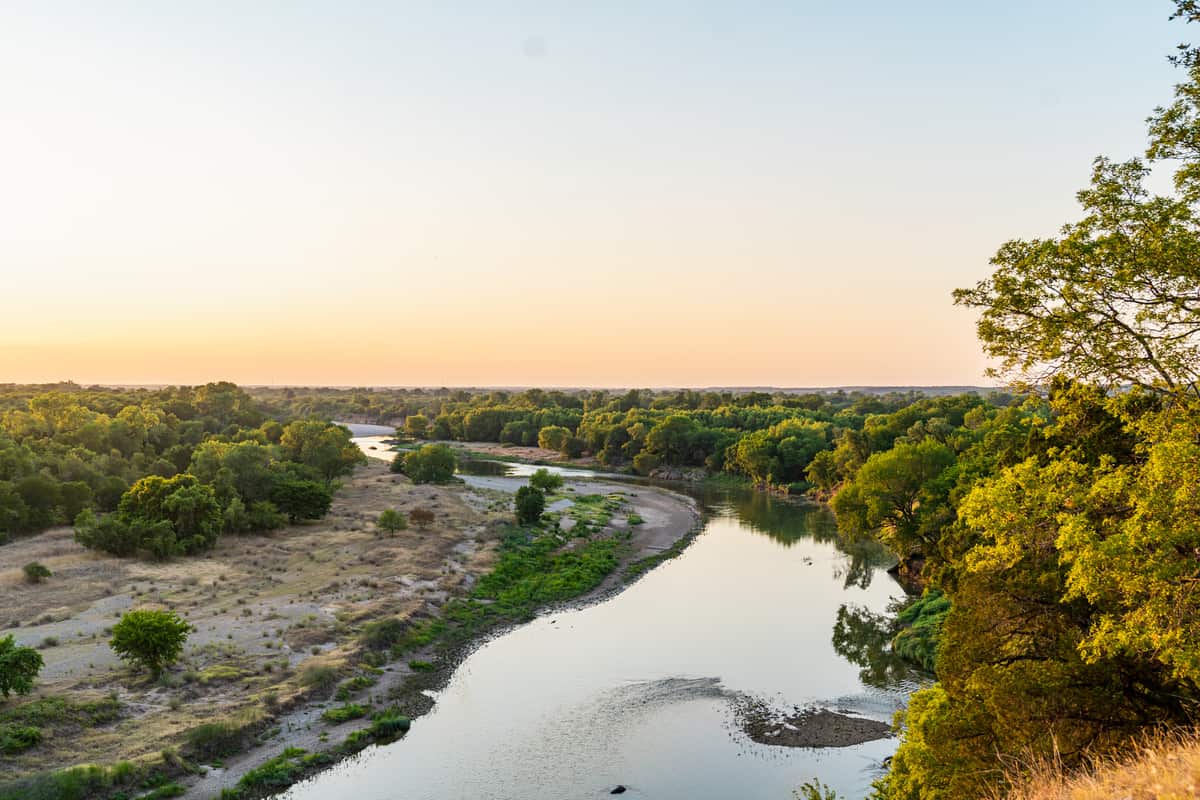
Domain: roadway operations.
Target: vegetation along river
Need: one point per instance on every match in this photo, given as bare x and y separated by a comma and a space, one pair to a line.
645, 689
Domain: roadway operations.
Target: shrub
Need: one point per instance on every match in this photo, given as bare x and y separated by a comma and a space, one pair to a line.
16, 738
531, 503
433, 463
423, 517
302, 499
35, 572
318, 677
219, 739
336, 716
392, 520
383, 633
19, 666
154, 639
553, 437
546, 480
421, 666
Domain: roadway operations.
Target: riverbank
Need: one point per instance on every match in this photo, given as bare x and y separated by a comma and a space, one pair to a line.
663, 519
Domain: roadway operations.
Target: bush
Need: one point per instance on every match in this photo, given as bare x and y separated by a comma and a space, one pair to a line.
645, 463
531, 503
318, 677
383, 633
219, 739
16, 738
392, 520
336, 716
154, 639
553, 437
19, 666
433, 463
546, 480
302, 499
35, 572
423, 517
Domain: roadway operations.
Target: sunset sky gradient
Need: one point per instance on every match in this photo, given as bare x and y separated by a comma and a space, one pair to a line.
541, 193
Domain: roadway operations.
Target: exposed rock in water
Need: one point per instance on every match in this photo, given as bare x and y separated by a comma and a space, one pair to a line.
619, 789
810, 727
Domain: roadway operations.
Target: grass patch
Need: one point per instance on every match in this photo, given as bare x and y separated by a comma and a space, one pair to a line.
18, 738
416, 665
336, 716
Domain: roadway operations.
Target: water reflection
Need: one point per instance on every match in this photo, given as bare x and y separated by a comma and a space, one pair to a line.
864, 638
788, 520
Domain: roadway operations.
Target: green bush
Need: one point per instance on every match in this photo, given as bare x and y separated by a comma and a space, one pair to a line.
531, 503
383, 633
392, 520
213, 740
340, 714
16, 738
19, 666
546, 480
433, 463
35, 572
149, 637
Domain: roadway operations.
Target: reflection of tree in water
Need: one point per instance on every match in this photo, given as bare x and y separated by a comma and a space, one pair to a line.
787, 521
865, 639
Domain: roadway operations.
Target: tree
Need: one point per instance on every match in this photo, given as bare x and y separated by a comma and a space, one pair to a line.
546, 480
35, 572
323, 446
301, 499
392, 520
553, 437
416, 425
433, 463
531, 502
151, 638
902, 494
19, 666
422, 517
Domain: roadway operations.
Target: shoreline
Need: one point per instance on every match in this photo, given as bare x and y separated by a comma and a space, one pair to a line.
673, 520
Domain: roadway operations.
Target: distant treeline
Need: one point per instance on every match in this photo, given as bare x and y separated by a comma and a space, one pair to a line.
782, 440
161, 472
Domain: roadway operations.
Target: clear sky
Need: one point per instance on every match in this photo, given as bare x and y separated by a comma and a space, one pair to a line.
650, 193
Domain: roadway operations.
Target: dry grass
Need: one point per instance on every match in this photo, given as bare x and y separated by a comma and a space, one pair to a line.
265, 608
1164, 766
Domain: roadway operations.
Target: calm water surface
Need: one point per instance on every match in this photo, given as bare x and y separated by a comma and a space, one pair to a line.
640, 689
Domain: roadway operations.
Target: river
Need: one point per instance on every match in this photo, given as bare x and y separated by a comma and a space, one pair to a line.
640, 690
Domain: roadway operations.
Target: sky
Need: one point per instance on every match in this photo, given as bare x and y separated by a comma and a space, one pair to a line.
555, 194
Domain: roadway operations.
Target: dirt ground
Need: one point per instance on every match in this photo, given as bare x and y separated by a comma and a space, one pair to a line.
264, 608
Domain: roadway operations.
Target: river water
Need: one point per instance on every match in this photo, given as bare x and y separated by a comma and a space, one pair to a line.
640, 690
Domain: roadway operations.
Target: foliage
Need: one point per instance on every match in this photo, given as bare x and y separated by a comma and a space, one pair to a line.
545, 480
302, 499
36, 572
421, 517
19, 667
392, 520
433, 463
151, 638
344, 713
530, 502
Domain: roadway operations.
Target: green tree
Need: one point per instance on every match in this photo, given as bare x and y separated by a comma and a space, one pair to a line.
151, 638
531, 502
19, 667
392, 520
433, 463
301, 499
903, 495
416, 425
553, 437
546, 480
322, 446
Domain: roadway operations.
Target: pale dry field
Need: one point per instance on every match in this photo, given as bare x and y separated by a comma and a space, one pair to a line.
265, 610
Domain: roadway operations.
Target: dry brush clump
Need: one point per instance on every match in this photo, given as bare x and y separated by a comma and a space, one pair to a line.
1162, 766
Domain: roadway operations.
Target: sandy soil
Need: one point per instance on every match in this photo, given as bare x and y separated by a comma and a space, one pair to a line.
264, 608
